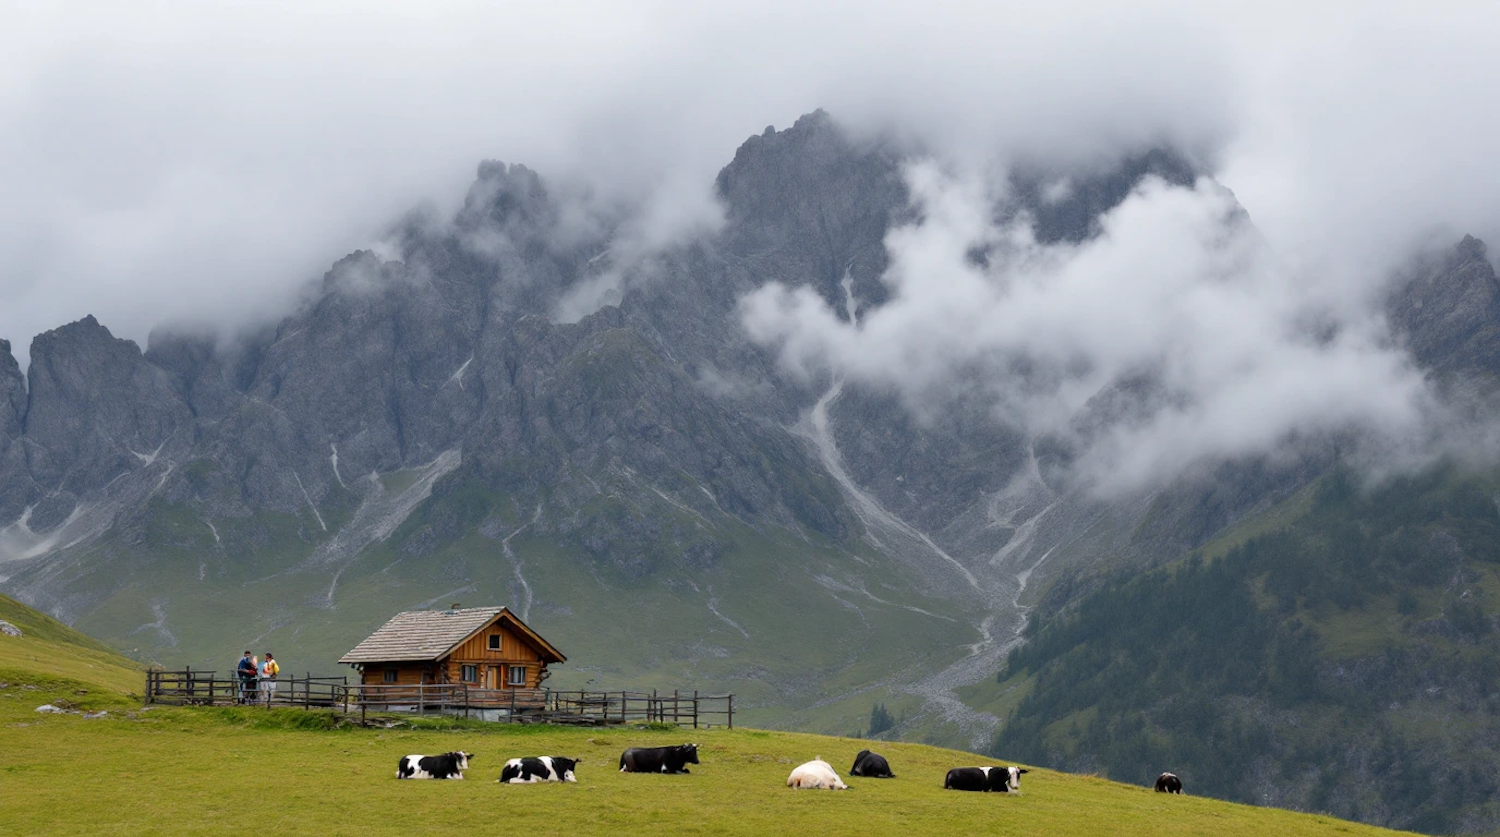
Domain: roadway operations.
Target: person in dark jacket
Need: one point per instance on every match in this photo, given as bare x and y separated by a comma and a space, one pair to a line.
247, 674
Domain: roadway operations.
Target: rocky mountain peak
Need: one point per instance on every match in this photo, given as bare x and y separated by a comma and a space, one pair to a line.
360, 272
12, 393
1449, 312
501, 195
1066, 207
95, 399
1471, 248
818, 198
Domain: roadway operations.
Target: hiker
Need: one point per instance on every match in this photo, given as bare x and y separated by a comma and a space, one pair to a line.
246, 672
268, 671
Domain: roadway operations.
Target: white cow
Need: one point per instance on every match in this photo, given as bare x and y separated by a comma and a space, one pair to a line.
817, 774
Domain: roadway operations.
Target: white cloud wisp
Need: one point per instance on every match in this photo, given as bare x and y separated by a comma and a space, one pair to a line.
1179, 290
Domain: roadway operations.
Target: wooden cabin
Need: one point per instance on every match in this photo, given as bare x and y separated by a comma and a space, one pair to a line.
482, 647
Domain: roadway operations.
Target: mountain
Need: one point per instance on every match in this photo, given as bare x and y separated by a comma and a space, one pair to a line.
516, 406
1337, 652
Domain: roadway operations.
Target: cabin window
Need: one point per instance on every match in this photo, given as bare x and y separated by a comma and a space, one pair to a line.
391, 675
516, 676
469, 674
494, 642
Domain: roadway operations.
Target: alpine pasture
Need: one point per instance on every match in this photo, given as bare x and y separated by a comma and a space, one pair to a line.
168, 770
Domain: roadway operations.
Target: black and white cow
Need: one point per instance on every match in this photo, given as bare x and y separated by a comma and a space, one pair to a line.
871, 765
659, 759
1168, 783
524, 771
997, 779
446, 766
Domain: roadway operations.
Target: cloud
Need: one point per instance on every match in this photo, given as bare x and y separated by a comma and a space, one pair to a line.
1179, 297
171, 163
168, 162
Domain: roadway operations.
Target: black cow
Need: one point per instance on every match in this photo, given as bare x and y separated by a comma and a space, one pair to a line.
659, 759
538, 769
871, 765
1168, 783
446, 766
997, 779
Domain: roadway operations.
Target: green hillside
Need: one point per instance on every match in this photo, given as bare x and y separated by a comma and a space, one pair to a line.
165, 770
738, 623
48, 649
1343, 661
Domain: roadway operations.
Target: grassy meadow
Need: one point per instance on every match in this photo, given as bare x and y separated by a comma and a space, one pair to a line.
180, 770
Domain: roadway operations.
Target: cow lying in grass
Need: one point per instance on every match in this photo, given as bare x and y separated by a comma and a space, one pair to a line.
815, 774
446, 766
659, 759
871, 765
997, 779
524, 771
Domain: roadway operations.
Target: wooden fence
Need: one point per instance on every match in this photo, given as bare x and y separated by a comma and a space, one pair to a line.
208, 688
683, 708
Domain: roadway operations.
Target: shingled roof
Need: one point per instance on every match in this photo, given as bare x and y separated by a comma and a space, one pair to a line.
418, 635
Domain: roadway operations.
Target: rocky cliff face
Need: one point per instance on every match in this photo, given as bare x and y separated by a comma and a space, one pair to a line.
14, 492
1449, 311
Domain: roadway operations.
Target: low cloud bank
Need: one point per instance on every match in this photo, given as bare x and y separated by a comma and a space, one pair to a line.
1178, 310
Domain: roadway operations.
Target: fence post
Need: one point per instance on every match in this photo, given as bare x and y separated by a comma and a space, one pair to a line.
731, 710
695, 709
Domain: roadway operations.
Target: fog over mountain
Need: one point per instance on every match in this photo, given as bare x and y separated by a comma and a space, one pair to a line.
1177, 287
167, 164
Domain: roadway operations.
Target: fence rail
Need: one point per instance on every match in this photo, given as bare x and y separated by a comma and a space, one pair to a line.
208, 688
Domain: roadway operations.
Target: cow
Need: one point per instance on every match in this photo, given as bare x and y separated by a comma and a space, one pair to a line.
524, 771
1168, 783
659, 759
446, 766
997, 779
815, 774
871, 765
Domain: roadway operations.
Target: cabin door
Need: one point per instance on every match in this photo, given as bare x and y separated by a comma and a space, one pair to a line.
490, 678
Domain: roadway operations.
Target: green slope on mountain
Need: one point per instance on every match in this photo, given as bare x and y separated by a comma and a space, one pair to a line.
47, 651
801, 630
1342, 660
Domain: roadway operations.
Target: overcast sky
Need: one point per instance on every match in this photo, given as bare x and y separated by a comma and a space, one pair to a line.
168, 161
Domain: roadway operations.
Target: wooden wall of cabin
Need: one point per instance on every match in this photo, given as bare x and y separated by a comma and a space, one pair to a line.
407, 673
514, 650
